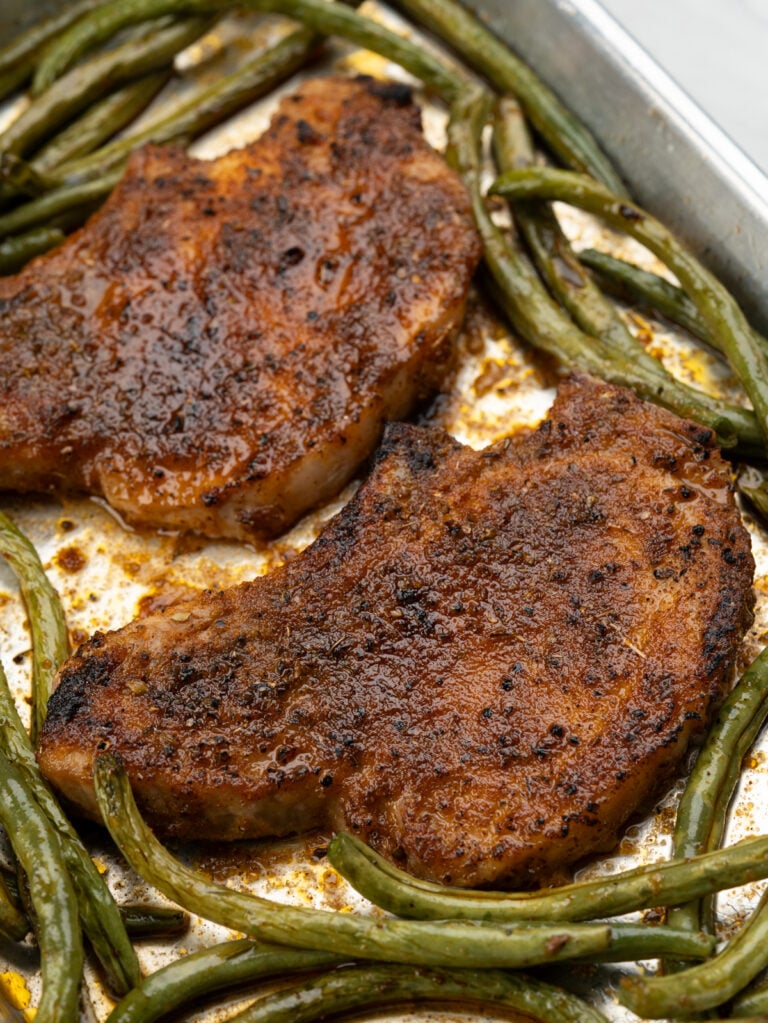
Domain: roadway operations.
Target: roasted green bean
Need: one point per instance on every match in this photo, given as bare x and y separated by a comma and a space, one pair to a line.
753, 484
98, 912
206, 107
15, 77
141, 920
655, 884
634, 284
19, 177
703, 806
37, 848
446, 943
98, 124
222, 967
352, 988
13, 921
543, 324
18, 250
328, 18
29, 43
62, 200
559, 267
565, 135
717, 307
90, 81
144, 921
706, 985
50, 643
550, 249
752, 1003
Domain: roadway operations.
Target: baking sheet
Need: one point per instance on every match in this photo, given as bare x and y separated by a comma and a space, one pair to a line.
107, 574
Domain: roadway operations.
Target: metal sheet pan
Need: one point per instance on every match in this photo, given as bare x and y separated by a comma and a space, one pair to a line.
107, 574
677, 162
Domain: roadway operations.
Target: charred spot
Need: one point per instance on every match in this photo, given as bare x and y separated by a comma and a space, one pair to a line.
305, 132
717, 635
70, 697
419, 460
630, 213
391, 92
290, 258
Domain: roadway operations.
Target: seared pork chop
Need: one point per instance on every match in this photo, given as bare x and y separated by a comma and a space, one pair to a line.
483, 666
219, 347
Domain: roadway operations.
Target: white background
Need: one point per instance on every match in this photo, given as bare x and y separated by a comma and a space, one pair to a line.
717, 50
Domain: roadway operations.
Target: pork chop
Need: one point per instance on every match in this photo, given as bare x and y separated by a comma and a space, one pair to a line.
219, 347
483, 666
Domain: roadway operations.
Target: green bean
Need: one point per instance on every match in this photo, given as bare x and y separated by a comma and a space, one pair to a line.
703, 806
446, 943
542, 323
90, 81
13, 922
753, 484
16, 251
50, 643
12, 79
655, 884
559, 266
103, 120
355, 988
65, 51
61, 200
634, 284
98, 912
716, 306
753, 1002
551, 251
28, 44
565, 135
37, 848
206, 107
329, 18
706, 985
144, 921
18, 177
141, 921
194, 977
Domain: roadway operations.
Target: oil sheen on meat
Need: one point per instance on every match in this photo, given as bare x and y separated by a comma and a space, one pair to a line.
219, 347
483, 665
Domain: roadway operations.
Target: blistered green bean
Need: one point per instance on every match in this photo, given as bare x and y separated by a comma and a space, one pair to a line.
703, 806
15, 252
371, 988
205, 108
37, 848
716, 306
99, 123
88, 82
98, 912
47, 625
222, 967
562, 131
444, 943
655, 884
706, 985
